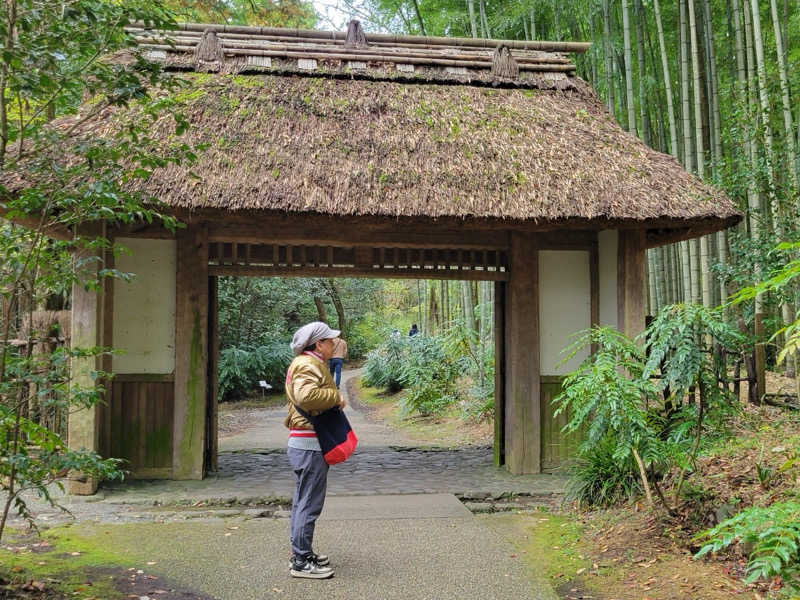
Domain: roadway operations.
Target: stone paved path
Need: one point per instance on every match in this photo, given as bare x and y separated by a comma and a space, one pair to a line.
385, 462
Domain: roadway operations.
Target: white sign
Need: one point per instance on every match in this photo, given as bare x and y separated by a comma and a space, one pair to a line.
265, 385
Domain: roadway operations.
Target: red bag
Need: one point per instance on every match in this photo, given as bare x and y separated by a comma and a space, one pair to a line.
335, 436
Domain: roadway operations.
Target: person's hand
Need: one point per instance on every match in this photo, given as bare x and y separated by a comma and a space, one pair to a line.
342, 401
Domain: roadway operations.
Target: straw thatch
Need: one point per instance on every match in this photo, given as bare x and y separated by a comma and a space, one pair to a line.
350, 147
385, 143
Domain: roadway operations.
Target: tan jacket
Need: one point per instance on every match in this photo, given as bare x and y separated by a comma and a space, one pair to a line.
309, 385
339, 348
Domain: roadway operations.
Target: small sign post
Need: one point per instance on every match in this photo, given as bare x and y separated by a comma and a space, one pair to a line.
264, 387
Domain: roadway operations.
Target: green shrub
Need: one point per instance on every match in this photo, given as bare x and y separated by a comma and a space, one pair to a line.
240, 369
430, 375
773, 533
384, 365
598, 478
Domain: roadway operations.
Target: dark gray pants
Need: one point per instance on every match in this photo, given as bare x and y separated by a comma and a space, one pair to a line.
311, 482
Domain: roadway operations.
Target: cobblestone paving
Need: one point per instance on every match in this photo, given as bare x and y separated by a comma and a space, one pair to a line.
385, 463
466, 471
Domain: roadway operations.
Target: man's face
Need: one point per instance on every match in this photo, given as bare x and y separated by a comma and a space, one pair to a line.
325, 347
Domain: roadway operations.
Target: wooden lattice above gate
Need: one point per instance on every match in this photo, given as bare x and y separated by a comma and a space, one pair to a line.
292, 260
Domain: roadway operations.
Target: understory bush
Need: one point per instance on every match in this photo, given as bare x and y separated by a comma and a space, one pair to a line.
421, 365
240, 369
384, 365
599, 479
430, 375
657, 404
770, 537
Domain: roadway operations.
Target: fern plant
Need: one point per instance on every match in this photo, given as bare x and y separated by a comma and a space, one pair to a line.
772, 532
607, 396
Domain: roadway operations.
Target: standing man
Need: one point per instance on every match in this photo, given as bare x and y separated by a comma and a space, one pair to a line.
309, 385
337, 358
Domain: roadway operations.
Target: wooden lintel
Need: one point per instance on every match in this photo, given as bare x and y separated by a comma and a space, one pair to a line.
357, 237
309, 271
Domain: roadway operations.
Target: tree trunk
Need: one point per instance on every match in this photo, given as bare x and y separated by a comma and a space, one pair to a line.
688, 148
556, 20
333, 293
787, 111
699, 145
484, 22
474, 27
644, 120
626, 33
609, 70
419, 18
673, 133
322, 315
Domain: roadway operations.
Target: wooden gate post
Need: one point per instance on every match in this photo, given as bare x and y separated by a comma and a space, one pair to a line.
83, 428
523, 409
630, 281
191, 352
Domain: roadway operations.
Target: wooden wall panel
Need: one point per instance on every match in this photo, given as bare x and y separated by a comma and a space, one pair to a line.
141, 425
558, 448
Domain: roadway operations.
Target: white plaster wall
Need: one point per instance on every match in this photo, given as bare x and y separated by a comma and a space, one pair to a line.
564, 307
607, 249
144, 308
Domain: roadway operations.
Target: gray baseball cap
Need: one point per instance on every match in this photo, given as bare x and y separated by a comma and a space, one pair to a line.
311, 333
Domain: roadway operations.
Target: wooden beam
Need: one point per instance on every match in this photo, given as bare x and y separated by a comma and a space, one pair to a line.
387, 236
631, 282
523, 409
387, 273
191, 352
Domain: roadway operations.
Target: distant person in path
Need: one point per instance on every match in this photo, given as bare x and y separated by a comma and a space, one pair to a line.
310, 386
413, 331
337, 359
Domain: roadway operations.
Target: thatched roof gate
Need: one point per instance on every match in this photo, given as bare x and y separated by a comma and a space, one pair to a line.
354, 154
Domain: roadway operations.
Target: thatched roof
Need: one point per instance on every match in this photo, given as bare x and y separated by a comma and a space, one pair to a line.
380, 141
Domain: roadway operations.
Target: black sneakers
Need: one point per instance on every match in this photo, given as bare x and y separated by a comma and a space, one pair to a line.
312, 566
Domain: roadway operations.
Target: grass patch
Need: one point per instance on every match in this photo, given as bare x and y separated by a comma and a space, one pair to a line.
62, 564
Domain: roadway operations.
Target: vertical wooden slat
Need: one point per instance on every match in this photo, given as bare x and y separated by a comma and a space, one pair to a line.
140, 415
330, 256
234, 253
247, 248
276, 255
